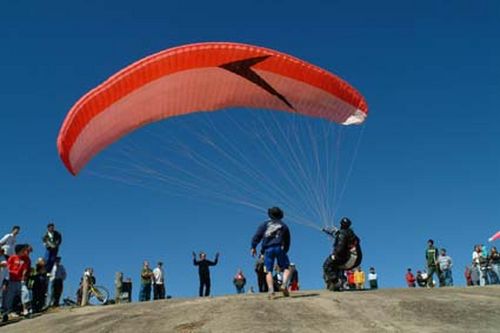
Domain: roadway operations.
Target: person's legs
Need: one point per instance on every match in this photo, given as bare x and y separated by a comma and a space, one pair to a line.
156, 292
162, 291
147, 290
142, 293
207, 287
58, 289
202, 284
270, 282
495, 274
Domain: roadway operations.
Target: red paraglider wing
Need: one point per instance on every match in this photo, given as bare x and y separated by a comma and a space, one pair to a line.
494, 237
202, 77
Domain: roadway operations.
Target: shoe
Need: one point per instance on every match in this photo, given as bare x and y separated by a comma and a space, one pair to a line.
5, 318
270, 296
285, 291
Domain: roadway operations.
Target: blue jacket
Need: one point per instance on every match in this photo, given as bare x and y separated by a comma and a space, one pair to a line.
272, 233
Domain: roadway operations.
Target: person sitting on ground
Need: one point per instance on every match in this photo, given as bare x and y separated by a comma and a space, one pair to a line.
204, 272
359, 278
294, 278
239, 282
410, 278
275, 237
372, 278
422, 278
346, 254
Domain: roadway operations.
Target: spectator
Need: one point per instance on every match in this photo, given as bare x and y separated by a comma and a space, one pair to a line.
118, 287
475, 274
4, 274
422, 278
146, 279
57, 277
445, 265
431, 256
159, 282
260, 270
88, 274
372, 278
275, 237
239, 282
52, 240
39, 286
359, 278
481, 264
494, 263
410, 278
467, 275
19, 268
8, 242
204, 272
294, 278
350, 279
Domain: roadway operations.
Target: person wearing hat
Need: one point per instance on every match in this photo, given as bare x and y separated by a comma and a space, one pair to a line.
275, 238
346, 254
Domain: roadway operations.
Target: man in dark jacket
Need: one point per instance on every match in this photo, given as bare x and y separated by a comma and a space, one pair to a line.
52, 240
346, 253
275, 237
204, 271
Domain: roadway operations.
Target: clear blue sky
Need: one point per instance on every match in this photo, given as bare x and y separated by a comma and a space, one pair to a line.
428, 165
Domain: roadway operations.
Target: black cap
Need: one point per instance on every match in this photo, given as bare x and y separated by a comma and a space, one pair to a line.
345, 223
275, 213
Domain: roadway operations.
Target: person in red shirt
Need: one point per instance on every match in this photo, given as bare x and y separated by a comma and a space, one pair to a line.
350, 279
410, 279
19, 269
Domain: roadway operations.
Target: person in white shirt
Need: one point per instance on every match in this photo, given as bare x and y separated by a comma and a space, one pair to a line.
4, 274
159, 282
372, 278
8, 242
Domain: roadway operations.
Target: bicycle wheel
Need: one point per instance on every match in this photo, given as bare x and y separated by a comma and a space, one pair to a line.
99, 295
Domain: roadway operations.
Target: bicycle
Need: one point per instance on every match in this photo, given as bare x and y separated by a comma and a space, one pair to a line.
97, 295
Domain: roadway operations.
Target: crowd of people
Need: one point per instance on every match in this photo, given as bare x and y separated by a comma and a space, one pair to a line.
483, 270
25, 289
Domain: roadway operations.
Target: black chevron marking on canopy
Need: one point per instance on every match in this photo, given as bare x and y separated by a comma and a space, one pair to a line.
243, 68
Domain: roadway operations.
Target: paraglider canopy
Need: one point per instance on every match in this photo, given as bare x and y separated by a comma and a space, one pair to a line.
494, 237
202, 77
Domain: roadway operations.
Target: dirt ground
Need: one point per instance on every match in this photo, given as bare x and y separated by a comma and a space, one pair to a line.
473, 309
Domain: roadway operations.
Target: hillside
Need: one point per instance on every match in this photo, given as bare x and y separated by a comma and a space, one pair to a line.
391, 310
